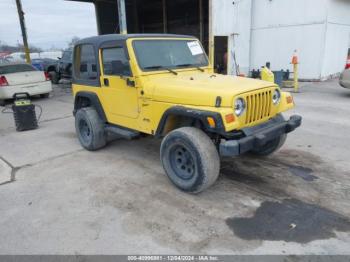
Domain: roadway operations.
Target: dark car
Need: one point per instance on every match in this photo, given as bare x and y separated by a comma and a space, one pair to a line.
44, 64
63, 68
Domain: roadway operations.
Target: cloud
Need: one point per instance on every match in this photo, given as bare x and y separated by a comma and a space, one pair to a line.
49, 23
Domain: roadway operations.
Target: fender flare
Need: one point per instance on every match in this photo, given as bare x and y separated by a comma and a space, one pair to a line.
94, 101
197, 114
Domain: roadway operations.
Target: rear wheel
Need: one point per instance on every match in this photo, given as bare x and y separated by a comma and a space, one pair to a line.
90, 129
54, 77
190, 159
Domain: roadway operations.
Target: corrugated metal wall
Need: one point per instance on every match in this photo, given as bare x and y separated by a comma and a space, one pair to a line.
281, 26
337, 37
233, 19
270, 30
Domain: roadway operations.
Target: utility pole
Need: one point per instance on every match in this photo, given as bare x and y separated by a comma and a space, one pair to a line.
23, 29
122, 17
201, 21
165, 17
211, 35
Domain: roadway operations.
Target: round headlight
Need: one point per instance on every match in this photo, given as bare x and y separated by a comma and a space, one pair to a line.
276, 97
239, 106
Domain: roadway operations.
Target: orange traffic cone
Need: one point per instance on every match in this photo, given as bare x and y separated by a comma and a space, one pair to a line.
295, 58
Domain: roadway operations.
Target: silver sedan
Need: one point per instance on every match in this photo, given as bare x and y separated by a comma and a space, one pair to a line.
344, 79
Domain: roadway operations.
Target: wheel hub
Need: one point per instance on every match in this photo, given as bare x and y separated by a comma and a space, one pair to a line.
84, 130
182, 162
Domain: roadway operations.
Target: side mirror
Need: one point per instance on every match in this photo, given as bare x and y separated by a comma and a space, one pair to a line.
59, 58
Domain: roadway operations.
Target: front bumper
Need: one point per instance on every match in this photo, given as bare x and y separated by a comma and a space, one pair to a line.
344, 83
258, 136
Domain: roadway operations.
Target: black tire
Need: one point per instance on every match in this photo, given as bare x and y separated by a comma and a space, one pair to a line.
271, 146
190, 159
90, 129
46, 95
2, 102
54, 77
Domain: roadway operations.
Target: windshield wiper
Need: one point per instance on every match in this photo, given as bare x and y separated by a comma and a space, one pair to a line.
161, 67
188, 65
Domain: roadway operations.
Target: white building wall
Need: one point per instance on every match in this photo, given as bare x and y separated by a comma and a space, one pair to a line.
337, 37
234, 20
277, 47
270, 30
281, 26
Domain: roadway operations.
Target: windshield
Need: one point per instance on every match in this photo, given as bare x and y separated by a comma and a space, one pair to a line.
164, 54
67, 55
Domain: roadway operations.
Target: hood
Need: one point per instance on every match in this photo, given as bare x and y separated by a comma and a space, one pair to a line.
201, 89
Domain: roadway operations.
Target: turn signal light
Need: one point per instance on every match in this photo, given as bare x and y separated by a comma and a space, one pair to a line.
289, 100
230, 118
211, 122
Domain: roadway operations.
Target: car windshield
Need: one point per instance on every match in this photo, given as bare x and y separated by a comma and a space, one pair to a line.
169, 54
67, 55
10, 69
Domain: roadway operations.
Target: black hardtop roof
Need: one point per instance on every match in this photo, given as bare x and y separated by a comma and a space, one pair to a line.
98, 40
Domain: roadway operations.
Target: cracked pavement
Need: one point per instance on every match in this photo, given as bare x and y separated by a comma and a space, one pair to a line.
56, 198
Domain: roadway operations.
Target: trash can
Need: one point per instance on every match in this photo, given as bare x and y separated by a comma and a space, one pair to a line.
279, 75
255, 73
286, 75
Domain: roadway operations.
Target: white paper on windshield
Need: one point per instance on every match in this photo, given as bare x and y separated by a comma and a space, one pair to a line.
195, 48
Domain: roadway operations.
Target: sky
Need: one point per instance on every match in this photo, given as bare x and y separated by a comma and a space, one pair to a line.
49, 23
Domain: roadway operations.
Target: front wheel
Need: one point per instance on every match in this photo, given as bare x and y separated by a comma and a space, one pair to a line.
270, 147
190, 159
273, 145
90, 129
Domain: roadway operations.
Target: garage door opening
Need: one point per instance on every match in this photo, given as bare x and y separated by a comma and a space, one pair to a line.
188, 17
220, 54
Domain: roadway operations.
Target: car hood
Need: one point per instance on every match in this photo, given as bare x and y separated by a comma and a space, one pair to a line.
201, 89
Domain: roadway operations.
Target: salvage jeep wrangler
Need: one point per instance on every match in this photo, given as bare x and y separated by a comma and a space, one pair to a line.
164, 86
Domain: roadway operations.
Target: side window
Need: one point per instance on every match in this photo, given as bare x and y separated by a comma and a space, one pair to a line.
115, 62
85, 63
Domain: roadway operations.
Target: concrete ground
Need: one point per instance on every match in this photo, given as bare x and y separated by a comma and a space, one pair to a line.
65, 200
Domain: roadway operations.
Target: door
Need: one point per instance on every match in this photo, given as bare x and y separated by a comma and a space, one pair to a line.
220, 54
119, 91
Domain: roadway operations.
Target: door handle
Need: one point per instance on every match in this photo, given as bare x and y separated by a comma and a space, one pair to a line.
106, 81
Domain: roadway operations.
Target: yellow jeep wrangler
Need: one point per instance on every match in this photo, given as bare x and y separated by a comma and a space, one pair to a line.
163, 85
